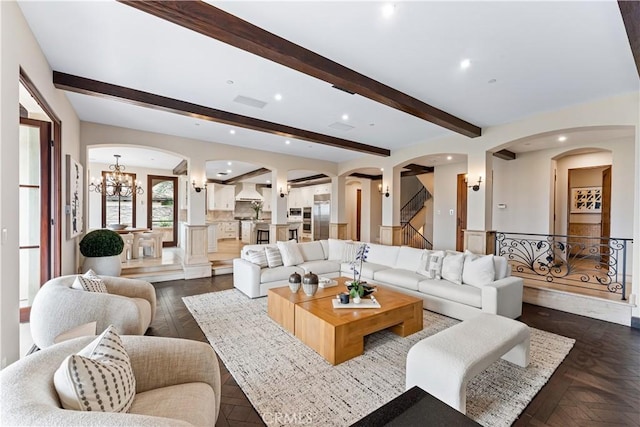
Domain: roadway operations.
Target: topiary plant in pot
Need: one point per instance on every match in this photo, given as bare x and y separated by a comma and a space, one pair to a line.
102, 249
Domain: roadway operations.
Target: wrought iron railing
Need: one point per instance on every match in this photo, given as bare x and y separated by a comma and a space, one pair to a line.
415, 239
595, 263
413, 206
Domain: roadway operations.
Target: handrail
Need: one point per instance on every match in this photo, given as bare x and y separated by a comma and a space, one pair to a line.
589, 262
412, 237
413, 206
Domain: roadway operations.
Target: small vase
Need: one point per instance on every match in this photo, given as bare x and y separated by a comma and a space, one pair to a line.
356, 300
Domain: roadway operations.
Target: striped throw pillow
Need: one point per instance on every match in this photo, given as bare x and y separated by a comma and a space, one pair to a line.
98, 378
89, 284
258, 257
274, 258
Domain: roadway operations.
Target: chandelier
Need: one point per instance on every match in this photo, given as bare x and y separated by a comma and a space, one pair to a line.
116, 183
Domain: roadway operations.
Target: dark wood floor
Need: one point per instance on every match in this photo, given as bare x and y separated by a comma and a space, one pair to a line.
598, 384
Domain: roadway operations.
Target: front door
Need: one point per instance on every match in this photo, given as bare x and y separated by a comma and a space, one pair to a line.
162, 214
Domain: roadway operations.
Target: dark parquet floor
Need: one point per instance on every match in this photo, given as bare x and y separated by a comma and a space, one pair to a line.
598, 384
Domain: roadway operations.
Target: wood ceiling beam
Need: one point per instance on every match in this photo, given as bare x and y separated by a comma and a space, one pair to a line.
227, 28
307, 178
182, 168
250, 174
505, 155
366, 176
145, 99
630, 11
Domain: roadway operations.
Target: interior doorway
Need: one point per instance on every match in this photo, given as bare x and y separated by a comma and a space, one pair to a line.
162, 214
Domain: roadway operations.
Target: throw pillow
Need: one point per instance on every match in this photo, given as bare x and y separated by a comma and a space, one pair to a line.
336, 249
290, 253
452, 265
434, 266
91, 274
98, 378
423, 266
258, 257
349, 252
274, 259
93, 284
478, 270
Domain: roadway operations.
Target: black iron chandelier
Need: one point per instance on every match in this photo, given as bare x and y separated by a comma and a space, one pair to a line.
116, 183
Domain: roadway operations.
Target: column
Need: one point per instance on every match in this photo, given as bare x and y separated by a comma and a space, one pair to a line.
479, 236
391, 230
338, 224
195, 260
279, 229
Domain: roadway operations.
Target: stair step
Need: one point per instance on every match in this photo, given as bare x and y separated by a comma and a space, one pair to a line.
157, 276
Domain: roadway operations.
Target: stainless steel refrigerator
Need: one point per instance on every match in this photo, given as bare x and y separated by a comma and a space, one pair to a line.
321, 216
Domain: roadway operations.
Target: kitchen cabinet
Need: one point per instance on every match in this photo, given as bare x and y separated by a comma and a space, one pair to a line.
295, 198
221, 197
266, 195
212, 238
248, 232
228, 230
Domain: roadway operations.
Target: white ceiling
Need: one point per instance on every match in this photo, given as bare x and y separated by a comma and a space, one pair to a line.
542, 56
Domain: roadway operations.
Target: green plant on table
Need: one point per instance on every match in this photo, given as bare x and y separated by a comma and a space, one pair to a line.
357, 287
101, 243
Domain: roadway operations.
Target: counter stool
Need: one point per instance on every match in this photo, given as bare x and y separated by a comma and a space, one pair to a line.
293, 232
262, 231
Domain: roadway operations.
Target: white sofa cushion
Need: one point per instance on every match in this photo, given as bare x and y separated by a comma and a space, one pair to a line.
311, 251
290, 252
98, 378
274, 258
368, 269
452, 266
278, 273
349, 251
258, 257
464, 294
478, 270
409, 258
325, 248
336, 249
246, 248
383, 254
501, 266
399, 277
321, 266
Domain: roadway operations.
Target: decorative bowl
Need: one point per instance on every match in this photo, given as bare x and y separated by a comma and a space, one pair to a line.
117, 226
368, 290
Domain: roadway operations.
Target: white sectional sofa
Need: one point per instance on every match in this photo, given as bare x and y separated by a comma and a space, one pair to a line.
396, 267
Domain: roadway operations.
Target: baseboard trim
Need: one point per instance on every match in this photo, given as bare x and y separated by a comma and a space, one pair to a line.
635, 322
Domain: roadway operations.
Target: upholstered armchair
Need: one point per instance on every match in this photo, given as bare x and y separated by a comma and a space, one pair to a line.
129, 305
177, 384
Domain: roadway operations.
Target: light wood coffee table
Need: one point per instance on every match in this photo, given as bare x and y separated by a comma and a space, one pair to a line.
338, 334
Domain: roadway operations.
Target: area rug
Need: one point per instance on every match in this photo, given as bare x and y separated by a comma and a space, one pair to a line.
287, 382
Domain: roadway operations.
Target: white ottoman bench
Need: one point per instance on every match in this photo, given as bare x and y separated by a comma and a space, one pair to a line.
444, 363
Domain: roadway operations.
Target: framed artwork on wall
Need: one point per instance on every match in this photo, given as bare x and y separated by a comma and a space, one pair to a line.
586, 200
75, 188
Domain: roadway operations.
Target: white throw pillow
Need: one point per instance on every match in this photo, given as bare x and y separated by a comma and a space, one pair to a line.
89, 284
336, 249
423, 266
258, 257
274, 259
291, 255
98, 378
452, 267
349, 252
433, 265
478, 270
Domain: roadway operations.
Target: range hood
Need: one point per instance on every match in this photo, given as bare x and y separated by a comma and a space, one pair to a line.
248, 192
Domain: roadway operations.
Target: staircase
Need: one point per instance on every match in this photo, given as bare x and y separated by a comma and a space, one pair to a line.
410, 235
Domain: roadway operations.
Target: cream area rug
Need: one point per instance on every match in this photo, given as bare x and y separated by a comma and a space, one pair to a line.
287, 382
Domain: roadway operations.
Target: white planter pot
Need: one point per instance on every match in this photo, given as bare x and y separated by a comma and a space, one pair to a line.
103, 266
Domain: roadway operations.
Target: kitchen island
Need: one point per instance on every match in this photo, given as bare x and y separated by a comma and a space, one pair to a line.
248, 230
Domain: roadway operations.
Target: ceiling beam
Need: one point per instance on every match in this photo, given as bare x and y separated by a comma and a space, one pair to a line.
182, 168
307, 178
630, 11
145, 99
366, 176
505, 155
250, 174
227, 28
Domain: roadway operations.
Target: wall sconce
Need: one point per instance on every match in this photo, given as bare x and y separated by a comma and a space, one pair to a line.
475, 187
282, 193
387, 193
198, 189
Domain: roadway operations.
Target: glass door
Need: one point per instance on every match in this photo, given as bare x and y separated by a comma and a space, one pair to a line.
162, 214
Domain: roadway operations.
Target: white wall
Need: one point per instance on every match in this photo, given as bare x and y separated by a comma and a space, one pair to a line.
19, 48
445, 188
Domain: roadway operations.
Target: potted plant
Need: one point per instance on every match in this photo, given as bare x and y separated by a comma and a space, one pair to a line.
256, 205
102, 249
358, 288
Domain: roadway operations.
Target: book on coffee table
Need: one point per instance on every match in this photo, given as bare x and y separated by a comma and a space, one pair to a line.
325, 282
364, 303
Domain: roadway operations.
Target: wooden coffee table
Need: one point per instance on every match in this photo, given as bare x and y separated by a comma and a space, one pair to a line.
338, 334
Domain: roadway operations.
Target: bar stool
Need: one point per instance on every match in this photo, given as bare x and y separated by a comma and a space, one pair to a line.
262, 231
293, 231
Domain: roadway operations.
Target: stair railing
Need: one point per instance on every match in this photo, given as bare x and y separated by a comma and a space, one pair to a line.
415, 239
413, 206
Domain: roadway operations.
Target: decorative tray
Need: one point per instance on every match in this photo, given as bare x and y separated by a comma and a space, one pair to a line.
325, 282
364, 303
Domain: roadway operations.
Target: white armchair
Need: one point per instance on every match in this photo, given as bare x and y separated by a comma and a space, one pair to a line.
130, 306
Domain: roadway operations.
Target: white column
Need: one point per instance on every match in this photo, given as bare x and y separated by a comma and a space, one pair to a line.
479, 203
278, 204
196, 213
338, 211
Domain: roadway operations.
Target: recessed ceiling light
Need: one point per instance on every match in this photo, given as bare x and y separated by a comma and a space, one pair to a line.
232, 131
287, 142
268, 181
449, 157
562, 138
465, 63
228, 163
345, 117
382, 169
278, 97
228, 170
229, 82
388, 10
